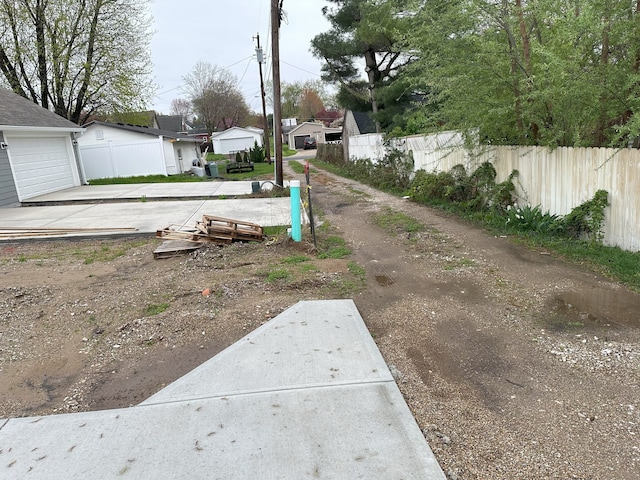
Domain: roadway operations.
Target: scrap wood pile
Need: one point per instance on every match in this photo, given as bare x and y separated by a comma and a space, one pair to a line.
210, 229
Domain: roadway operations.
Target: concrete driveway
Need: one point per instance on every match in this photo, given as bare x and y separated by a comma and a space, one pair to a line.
138, 208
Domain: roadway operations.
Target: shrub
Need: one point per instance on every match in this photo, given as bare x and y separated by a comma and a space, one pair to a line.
532, 219
587, 220
431, 187
257, 154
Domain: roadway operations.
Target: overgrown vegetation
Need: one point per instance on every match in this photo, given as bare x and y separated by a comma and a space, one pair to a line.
478, 196
392, 174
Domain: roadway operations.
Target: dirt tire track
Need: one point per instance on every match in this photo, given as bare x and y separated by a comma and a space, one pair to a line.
467, 322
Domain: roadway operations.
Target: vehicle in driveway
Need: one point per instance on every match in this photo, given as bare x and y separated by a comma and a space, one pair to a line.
309, 143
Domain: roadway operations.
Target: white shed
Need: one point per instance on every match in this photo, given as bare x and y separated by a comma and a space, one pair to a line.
236, 139
37, 154
110, 150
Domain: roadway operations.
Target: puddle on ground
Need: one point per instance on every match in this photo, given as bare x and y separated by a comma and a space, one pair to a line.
596, 307
384, 280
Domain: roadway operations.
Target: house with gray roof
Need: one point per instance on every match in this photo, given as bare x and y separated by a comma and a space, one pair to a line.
109, 150
37, 150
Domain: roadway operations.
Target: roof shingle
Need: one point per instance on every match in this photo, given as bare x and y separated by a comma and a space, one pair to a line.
17, 111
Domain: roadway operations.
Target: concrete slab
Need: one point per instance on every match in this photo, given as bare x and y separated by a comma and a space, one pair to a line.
146, 217
148, 190
324, 406
112, 209
312, 344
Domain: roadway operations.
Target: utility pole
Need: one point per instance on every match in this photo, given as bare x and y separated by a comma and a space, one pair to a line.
276, 6
260, 57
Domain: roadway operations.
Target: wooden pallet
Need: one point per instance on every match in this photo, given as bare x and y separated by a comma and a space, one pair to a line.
192, 236
236, 229
210, 229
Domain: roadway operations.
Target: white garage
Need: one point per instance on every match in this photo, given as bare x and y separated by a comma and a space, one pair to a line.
37, 151
41, 165
236, 139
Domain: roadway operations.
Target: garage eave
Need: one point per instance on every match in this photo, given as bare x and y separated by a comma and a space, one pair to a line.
29, 129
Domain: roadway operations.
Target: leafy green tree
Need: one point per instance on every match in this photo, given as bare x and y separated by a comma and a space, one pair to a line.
532, 73
366, 31
303, 100
76, 57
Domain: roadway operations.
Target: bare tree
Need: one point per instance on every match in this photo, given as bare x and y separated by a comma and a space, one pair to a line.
76, 57
182, 107
215, 97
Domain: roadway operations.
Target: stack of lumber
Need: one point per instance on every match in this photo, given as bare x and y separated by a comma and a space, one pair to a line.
210, 229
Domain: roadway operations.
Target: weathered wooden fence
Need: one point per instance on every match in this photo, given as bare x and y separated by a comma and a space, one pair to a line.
557, 180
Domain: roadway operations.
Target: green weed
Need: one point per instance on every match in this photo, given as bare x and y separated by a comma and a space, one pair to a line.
155, 309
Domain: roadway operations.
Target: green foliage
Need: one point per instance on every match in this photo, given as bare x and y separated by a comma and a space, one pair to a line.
392, 173
477, 192
278, 274
257, 154
532, 220
155, 309
432, 188
587, 220
369, 32
397, 222
333, 247
540, 73
183, 177
238, 157
75, 58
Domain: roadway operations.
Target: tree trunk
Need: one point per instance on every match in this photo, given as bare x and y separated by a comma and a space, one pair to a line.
371, 67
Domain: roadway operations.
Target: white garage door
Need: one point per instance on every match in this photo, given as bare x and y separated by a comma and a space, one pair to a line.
40, 165
236, 144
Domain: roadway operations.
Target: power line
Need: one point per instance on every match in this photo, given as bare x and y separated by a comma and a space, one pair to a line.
302, 69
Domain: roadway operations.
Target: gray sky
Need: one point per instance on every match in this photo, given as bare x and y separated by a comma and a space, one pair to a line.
221, 32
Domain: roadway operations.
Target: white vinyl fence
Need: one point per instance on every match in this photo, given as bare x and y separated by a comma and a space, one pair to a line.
557, 180
123, 160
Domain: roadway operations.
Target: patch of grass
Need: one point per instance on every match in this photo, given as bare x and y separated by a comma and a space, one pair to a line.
259, 170
105, 253
275, 231
357, 270
183, 177
155, 309
278, 274
397, 222
296, 166
216, 157
295, 259
309, 267
358, 192
333, 246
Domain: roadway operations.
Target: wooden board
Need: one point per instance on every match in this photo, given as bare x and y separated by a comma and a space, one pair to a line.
171, 248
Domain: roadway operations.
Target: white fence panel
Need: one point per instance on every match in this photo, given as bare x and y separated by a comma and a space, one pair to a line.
438, 152
366, 146
123, 160
557, 180
96, 162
